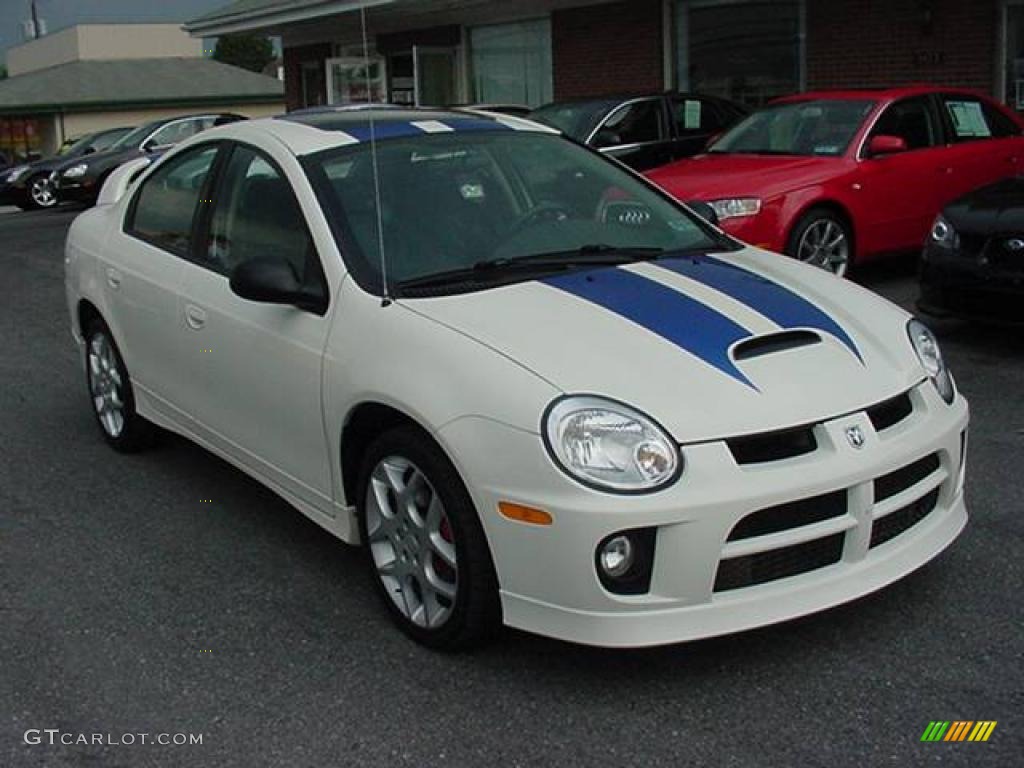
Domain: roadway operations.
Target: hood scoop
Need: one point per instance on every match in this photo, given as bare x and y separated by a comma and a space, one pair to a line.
770, 343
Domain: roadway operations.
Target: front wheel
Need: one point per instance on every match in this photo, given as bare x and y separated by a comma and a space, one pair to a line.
823, 239
424, 543
39, 193
111, 394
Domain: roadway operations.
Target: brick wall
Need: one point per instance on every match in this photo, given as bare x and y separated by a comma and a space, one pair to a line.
891, 42
293, 60
607, 49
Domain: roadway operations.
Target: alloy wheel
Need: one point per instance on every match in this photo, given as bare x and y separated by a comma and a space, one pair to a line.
411, 542
41, 191
825, 244
105, 385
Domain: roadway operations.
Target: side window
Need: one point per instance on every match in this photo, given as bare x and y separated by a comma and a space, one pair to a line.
634, 123
174, 133
103, 141
256, 216
912, 120
967, 117
165, 205
694, 116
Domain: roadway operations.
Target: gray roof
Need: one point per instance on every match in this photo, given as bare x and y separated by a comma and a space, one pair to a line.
126, 83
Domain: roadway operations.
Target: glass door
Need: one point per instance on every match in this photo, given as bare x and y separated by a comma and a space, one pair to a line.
435, 76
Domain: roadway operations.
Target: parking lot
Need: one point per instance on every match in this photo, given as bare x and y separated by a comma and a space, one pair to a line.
129, 604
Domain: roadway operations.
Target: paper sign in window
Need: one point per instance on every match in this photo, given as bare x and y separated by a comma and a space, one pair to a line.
968, 119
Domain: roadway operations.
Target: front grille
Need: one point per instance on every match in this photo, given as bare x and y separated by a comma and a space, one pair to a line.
792, 515
772, 446
903, 478
890, 412
895, 523
775, 564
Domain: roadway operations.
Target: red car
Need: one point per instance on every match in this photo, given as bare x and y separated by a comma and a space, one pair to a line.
834, 178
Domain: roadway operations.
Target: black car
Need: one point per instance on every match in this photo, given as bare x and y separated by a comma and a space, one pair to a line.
82, 178
28, 185
643, 131
973, 261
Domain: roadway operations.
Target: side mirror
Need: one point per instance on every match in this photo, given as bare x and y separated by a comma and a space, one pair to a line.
273, 281
886, 145
148, 145
704, 210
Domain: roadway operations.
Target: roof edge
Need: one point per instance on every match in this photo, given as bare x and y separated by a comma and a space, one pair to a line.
264, 18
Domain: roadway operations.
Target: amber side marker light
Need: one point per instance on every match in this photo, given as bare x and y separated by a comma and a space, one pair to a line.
523, 514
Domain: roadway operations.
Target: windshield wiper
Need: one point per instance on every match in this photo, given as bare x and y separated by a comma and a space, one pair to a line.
595, 254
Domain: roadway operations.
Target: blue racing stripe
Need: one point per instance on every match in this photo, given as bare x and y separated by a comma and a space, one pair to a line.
674, 316
774, 301
383, 130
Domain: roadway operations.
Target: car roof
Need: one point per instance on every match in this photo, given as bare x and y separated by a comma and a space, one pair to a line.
876, 94
311, 130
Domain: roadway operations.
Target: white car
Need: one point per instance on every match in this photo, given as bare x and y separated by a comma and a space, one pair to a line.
541, 392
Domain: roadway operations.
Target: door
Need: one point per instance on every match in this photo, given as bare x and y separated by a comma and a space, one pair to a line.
636, 133
254, 368
983, 145
144, 268
434, 76
694, 122
900, 191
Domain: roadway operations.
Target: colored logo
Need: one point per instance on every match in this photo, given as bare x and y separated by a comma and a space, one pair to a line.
958, 730
855, 436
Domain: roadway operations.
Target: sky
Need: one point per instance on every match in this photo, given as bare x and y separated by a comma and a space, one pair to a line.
60, 14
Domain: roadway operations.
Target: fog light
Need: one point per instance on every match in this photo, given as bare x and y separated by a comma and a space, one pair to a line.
624, 561
617, 556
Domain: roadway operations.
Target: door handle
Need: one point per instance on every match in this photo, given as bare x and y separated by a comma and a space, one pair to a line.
113, 278
194, 316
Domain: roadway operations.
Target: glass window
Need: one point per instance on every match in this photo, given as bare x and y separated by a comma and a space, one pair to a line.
575, 118
449, 201
820, 127
910, 120
636, 123
165, 204
512, 63
175, 132
694, 116
747, 51
256, 216
973, 119
1014, 55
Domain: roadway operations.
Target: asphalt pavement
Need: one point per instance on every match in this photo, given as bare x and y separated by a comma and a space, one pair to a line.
129, 605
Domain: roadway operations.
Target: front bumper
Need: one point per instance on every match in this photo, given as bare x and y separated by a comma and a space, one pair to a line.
549, 584
954, 283
74, 190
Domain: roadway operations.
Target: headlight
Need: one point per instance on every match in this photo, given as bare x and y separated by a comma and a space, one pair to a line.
16, 173
927, 348
943, 234
76, 170
610, 446
735, 207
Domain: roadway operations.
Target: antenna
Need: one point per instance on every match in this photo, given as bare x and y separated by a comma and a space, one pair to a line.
386, 298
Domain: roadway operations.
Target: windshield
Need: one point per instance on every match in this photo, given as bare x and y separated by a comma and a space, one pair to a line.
134, 138
821, 127
453, 201
576, 120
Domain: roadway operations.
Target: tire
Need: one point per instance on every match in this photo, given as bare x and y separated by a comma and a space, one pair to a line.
430, 564
823, 238
111, 394
39, 193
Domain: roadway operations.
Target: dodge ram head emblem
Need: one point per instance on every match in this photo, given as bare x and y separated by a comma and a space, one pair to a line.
855, 436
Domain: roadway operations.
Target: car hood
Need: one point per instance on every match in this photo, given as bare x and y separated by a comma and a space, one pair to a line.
672, 339
995, 208
713, 177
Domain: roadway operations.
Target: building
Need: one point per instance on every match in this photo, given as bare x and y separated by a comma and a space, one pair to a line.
532, 51
95, 76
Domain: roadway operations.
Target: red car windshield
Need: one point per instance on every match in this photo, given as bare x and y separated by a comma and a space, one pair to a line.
814, 128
